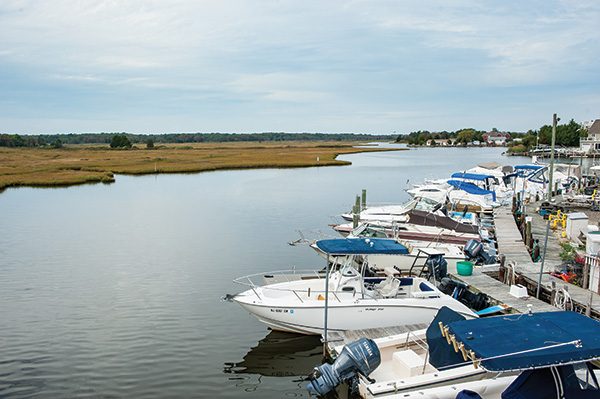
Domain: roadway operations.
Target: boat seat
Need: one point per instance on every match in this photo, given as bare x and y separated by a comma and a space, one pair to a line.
425, 287
407, 363
389, 288
405, 281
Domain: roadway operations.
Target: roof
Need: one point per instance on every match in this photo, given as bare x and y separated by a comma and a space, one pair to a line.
361, 246
495, 136
471, 188
471, 176
595, 128
526, 341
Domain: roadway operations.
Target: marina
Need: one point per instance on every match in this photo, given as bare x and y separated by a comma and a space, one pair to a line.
522, 283
278, 199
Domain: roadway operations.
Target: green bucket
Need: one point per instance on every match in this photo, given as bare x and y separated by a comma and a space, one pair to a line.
464, 268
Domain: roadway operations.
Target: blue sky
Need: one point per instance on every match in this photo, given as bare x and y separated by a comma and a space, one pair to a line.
154, 66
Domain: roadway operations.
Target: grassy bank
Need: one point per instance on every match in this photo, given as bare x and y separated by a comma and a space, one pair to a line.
93, 164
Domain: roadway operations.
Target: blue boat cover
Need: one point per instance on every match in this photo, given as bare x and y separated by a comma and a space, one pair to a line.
471, 176
471, 188
530, 167
441, 355
515, 342
361, 246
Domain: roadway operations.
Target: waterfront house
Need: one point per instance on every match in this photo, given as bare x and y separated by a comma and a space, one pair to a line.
441, 142
592, 142
496, 138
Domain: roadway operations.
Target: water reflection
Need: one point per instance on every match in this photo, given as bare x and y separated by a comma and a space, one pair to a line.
280, 354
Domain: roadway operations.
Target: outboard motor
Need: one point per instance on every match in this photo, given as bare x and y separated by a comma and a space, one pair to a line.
358, 357
473, 248
460, 291
474, 251
437, 266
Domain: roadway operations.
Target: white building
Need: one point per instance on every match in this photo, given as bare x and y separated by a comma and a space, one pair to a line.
592, 142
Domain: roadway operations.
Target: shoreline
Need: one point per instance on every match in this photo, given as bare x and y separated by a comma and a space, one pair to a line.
78, 165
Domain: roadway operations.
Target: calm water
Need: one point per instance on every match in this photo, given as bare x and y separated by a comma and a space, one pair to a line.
114, 290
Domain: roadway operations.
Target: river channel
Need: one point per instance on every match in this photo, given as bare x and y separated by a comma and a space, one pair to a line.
115, 290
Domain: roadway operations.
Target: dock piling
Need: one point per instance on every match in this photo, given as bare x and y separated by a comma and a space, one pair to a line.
364, 199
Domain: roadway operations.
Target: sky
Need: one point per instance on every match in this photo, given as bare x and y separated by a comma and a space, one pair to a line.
157, 66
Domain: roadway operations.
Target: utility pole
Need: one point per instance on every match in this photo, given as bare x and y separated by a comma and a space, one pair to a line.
551, 170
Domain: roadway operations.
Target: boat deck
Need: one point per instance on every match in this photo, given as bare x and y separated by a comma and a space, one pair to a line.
337, 338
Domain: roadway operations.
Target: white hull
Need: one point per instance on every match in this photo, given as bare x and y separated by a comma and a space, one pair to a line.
360, 314
394, 382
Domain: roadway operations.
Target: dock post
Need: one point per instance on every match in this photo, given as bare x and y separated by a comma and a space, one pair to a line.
355, 216
551, 168
588, 308
364, 199
528, 232
586, 274
539, 286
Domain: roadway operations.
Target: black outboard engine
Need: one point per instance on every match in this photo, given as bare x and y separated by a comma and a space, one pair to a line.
460, 291
473, 248
437, 266
474, 251
358, 357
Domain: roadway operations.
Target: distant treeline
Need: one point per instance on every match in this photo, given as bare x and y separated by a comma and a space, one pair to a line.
421, 137
567, 135
57, 140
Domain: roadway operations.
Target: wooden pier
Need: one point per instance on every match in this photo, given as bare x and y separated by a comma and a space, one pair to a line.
510, 243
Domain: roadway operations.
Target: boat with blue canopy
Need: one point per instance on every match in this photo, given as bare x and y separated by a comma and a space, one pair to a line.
359, 246
536, 340
351, 294
471, 188
551, 355
473, 176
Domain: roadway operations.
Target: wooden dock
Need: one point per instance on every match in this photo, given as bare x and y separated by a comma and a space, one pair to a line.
512, 246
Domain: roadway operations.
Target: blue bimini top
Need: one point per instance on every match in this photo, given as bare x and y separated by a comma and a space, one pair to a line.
471, 188
471, 176
529, 341
529, 167
361, 246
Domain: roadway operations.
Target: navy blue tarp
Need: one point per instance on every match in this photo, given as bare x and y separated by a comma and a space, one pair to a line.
529, 167
471, 188
361, 246
506, 336
471, 176
442, 355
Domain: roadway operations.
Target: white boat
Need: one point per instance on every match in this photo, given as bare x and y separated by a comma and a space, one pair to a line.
393, 213
420, 226
352, 300
478, 192
525, 356
532, 179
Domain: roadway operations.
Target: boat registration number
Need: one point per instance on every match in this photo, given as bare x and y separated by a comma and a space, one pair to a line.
290, 311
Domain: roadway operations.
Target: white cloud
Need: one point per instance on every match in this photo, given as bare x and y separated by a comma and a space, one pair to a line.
378, 63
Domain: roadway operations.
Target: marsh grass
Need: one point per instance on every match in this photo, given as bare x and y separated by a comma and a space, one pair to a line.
98, 164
